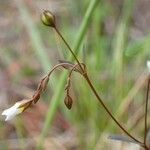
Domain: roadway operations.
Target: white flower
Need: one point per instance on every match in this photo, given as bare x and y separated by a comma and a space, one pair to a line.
16, 109
148, 65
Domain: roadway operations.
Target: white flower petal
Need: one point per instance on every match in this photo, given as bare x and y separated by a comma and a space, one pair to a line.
12, 111
148, 65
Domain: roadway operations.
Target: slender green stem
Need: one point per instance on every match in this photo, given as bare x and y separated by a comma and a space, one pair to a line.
146, 110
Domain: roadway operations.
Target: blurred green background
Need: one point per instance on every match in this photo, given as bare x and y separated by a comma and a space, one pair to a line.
111, 36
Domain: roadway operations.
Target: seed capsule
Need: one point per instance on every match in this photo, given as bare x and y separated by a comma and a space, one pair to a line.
68, 101
48, 18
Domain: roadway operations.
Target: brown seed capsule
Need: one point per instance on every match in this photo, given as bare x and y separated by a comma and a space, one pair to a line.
68, 101
48, 18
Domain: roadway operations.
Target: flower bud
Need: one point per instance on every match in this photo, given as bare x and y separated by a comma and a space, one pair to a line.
68, 102
16, 109
48, 18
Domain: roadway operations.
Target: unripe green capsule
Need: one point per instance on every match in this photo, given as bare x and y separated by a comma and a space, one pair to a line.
48, 18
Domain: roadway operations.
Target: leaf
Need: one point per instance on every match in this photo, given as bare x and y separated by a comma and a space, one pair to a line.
122, 138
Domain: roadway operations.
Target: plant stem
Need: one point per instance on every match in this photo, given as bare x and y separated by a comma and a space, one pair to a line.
95, 93
69, 48
146, 110
57, 96
107, 110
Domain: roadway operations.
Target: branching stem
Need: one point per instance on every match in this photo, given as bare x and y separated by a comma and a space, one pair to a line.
58, 32
96, 94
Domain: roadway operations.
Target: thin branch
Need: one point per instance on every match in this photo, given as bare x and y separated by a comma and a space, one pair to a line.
69, 76
58, 65
58, 32
108, 111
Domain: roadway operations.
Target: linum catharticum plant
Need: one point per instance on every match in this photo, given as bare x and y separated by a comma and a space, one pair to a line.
48, 19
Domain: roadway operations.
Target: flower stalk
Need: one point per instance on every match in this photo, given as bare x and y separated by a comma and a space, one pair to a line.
22, 105
85, 75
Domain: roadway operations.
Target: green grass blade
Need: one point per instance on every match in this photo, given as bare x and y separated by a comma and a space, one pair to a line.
119, 46
34, 35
